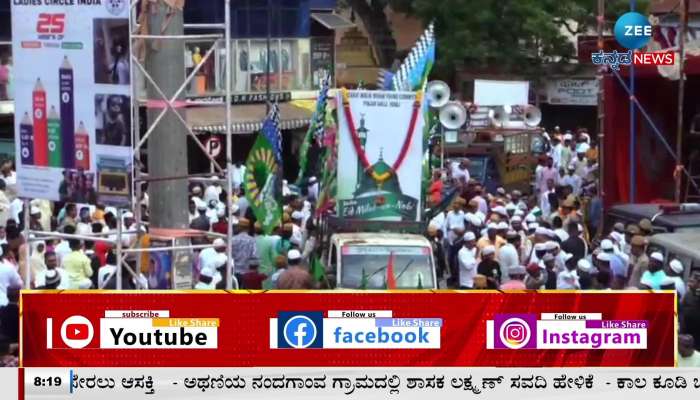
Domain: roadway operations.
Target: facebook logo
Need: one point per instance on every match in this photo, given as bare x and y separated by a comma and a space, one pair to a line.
300, 330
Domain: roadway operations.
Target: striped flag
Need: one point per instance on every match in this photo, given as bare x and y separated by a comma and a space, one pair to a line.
271, 131
315, 133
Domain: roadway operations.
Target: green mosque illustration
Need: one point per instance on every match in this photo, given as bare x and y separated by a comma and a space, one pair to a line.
373, 199
366, 185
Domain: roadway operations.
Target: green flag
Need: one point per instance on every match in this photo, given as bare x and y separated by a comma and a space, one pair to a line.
364, 281
318, 270
261, 186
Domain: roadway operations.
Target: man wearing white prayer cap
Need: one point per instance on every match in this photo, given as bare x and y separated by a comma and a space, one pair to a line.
655, 277
675, 275
468, 261
491, 239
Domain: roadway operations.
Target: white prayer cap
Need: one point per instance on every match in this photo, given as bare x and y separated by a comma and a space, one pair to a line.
584, 265
657, 256
488, 250
469, 236
676, 266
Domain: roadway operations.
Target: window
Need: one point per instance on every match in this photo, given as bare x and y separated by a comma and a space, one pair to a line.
517, 144
206, 82
286, 18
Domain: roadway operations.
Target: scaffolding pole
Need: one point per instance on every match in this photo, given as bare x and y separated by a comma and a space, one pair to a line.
601, 115
171, 104
229, 275
633, 129
683, 14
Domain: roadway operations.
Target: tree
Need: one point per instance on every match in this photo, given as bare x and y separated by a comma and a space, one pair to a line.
520, 36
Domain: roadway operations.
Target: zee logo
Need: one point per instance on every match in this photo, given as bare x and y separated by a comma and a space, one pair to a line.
632, 30
300, 330
76, 332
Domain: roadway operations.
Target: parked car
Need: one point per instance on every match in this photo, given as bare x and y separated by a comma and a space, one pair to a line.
664, 218
683, 246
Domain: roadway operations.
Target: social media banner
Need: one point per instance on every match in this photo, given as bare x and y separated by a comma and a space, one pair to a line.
276, 329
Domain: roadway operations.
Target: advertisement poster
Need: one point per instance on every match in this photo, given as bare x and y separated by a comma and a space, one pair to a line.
72, 101
321, 59
573, 92
379, 172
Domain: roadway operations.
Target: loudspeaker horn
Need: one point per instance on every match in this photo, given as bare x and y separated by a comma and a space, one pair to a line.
532, 115
453, 115
499, 116
438, 94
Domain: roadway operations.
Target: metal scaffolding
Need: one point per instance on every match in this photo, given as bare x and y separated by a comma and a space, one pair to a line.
168, 104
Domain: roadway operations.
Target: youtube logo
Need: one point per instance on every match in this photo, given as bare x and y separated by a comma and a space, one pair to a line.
76, 332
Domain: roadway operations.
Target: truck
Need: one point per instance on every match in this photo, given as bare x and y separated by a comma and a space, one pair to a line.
500, 157
358, 254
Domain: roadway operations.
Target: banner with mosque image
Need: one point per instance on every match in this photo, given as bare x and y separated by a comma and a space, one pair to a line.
380, 151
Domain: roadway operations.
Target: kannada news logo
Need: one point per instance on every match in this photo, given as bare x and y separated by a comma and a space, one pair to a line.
564, 331
633, 31
352, 330
132, 329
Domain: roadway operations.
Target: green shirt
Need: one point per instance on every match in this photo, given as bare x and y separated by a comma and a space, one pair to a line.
266, 246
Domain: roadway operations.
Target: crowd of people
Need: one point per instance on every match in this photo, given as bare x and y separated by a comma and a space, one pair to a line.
552, 238
548, 237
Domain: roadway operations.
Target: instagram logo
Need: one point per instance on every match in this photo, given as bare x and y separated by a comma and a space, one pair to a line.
514, 333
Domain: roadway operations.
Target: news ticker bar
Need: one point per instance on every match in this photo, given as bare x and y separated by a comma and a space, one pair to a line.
274, 329
358, 383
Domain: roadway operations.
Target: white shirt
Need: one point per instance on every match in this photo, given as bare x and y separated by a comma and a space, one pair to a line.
276, 276
467, 266
544, 203
10, 179
556, 154
297, 236
483, 207
40, 278
507, 257
62, 249
9, 278
568, 280
459, 174
680, 286
438, 221
238, 176
212, 192
103, 273
16, 207
574, 181
561, 234
454, 219
689, 362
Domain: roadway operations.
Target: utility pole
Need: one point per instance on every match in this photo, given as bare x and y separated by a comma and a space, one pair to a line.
167, 145
683, 21
601, 114
267, 59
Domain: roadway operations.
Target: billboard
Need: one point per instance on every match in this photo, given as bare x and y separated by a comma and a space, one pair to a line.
380, 150
72, 101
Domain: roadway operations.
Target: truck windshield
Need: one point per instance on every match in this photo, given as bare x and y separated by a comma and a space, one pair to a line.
477, 168
364, 267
